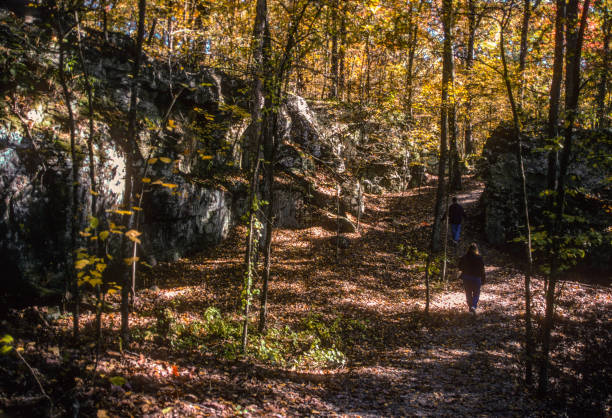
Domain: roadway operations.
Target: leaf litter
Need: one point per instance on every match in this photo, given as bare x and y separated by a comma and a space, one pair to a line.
367, 303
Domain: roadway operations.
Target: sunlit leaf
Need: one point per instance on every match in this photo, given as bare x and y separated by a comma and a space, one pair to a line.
123, 212
6, 339
132, 234
95, 282
80, 264
130, 260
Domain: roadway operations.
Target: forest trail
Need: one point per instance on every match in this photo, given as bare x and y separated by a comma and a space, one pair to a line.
398, 363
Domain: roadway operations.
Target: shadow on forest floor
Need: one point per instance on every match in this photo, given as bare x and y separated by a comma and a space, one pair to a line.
367, 304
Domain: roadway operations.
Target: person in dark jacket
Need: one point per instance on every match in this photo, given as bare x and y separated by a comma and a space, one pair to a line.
473, 275
455, 217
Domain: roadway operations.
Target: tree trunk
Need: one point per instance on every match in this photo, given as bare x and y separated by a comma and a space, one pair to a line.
455, 182
260, 63
74, 205
447, 68
333, 88
574, 35
523, 50
555, 95
93, 192
130, 148
342, 52
602, 88
529, 343
269, 213
469, 63
412, 44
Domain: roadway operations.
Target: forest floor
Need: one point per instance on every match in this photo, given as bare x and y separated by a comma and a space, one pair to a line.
346, 336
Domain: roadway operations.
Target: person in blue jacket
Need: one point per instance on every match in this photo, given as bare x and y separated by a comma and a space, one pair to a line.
455, 217
472, 270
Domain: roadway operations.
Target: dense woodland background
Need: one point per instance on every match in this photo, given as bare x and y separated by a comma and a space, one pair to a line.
250, 196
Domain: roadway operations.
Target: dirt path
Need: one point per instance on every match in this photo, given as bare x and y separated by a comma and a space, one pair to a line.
451, 364
398, 363
402, 363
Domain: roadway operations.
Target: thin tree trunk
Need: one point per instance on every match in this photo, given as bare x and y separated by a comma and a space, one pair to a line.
469, 63
273, 96
74, 206
105, 20
602, 88
455, 182
130, 148
92, 174
342, 52
523, 50
444, 108
258, 102
333, 89
574, 36
248, 259
269, 213
529, 343
555, 95
427, 290
412, 44
338, 190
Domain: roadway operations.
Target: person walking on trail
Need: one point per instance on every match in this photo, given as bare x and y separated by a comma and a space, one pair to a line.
455, 216
472, 270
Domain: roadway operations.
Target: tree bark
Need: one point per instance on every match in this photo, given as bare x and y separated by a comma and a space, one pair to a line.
257, 105
447, 68
517, 127
555, 95
274, 97
342, 52
602, 88
74, 204
93, 192
412, 44
523, 49
130, 147
469, 63
575, 36
333, 88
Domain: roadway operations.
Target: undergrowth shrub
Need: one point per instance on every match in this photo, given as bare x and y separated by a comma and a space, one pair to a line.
317, 342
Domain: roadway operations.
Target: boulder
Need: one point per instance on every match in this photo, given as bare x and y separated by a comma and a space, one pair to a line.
588, 180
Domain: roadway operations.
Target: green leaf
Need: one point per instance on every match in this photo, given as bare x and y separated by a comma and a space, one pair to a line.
5, 349
6, 339
117, 380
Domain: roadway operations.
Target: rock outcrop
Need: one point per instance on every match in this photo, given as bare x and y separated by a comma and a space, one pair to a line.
588, 179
